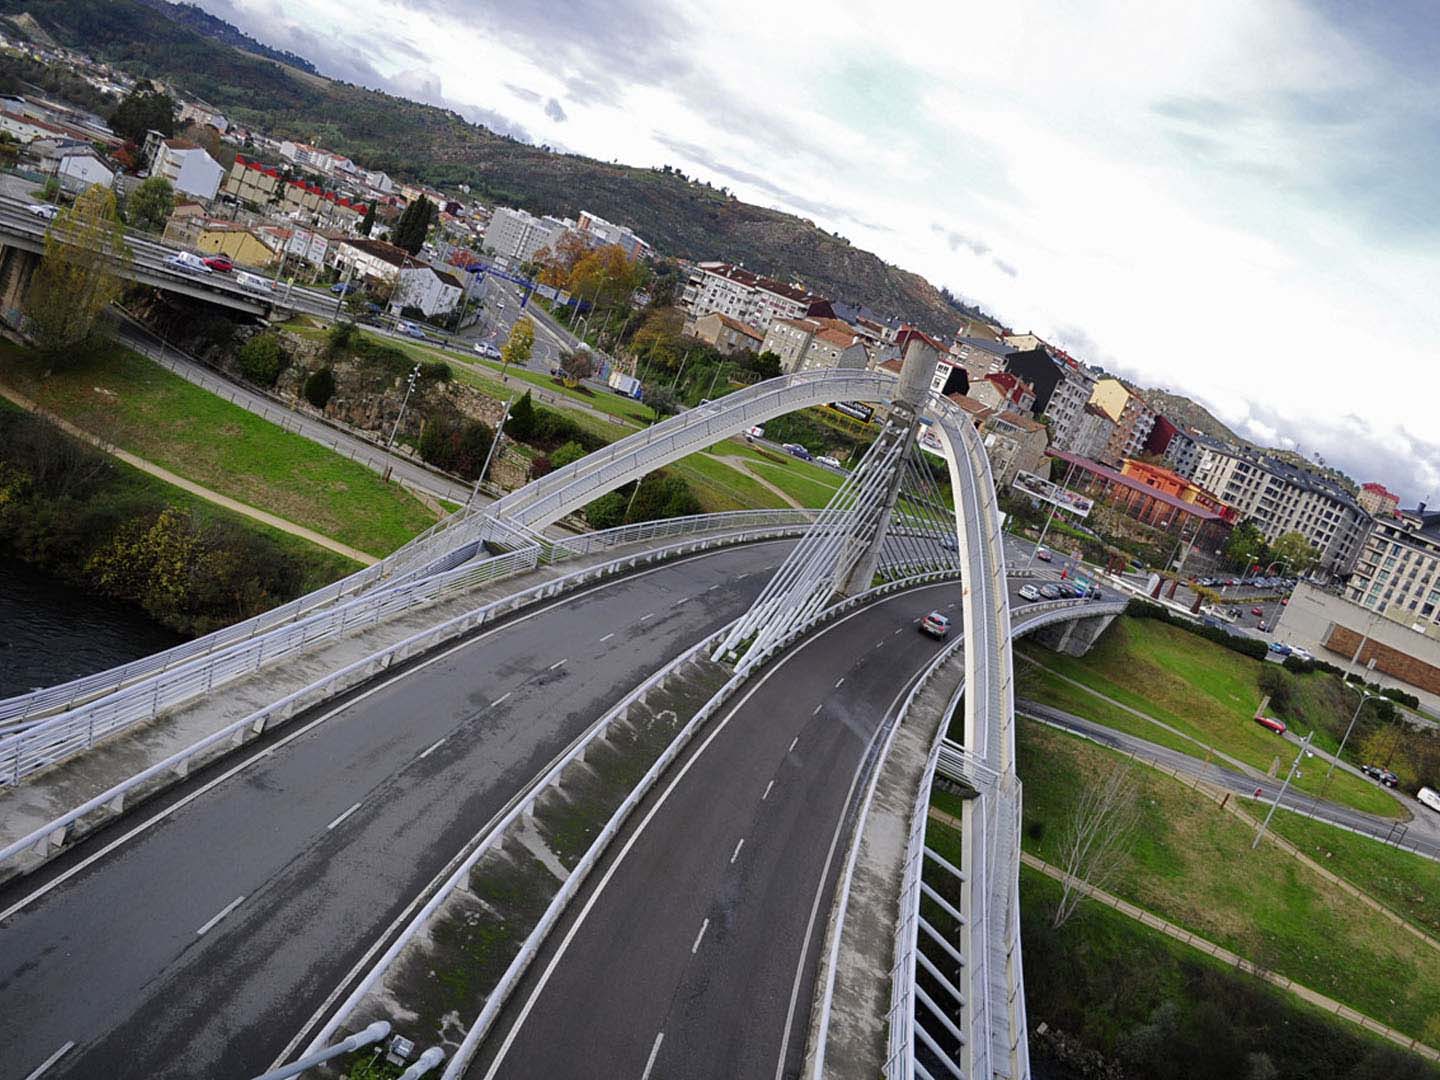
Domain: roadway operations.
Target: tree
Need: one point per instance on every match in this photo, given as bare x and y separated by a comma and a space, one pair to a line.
1246, 546
578, 365
409, 232
1097, 837
319, 387
569, 453
518, 346
262, 358
663, 400
657, 342
150, 204
368, 221
144, 109
521, 424
1294, 551
78, 276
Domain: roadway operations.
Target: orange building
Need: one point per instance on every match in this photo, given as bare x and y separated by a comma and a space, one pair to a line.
1176, 486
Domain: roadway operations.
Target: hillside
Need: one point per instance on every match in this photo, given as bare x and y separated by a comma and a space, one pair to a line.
678, 216
1185, 413
197, 18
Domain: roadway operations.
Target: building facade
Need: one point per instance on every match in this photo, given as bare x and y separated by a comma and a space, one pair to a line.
1378, 501
435, 292
187, 166
515, 234
1398, 570
814, 344
754, 300
598, 232
728, 335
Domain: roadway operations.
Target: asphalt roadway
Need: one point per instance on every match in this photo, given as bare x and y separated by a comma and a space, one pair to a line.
695, 955
199, 947
1422, 835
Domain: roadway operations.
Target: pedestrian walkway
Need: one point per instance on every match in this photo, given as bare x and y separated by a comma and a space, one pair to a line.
205, 493
1225, 956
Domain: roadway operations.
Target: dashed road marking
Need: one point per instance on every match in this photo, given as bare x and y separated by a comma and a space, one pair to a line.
793, 741
703, 927
654, 1053
712, 588
647, 615
736, 853
682, 600
817, 710
432, 748
557, 663
501, 699
768, 786
56, 1056
352, 809
898, 629
608, 636
839, 683
231, 906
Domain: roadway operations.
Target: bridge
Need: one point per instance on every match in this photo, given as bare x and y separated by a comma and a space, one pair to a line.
261, 884
22, 241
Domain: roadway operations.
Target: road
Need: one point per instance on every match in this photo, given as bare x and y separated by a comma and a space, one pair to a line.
695, 955
1423, 834
199, 946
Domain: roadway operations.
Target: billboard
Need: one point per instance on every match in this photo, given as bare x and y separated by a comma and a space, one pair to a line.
1039, 488
856, 410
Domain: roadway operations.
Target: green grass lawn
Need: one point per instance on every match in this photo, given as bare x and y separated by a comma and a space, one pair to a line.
181, 427
1192, 864
1048, 689
807, 490
1204, 690
1407, 884
719, 486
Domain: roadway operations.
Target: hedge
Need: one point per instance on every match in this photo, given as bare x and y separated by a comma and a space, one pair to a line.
1141, 609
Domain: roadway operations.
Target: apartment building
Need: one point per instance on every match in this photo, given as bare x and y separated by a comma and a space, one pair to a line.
1090, 435
1013, 443
1398, 570
516, 234
599, 232
755, 300
1133, 419
978, 356
186, 165
253, 182
1378, 500
728, 335
1174, 445
435, 292
1281, 498
1063, 387
1005, 393
814, 344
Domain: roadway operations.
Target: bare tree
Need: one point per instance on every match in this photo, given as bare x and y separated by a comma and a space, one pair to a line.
1098, 835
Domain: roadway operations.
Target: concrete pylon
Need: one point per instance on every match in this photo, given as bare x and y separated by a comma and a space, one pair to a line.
916, 374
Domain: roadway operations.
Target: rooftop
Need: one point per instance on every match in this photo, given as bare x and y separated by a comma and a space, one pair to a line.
1110, 475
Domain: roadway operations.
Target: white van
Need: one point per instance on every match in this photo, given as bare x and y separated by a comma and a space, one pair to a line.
253, 282
188, 261
1430, 797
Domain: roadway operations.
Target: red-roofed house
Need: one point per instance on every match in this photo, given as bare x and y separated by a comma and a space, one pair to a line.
1378, 501
1004, 392
814, 345
728, 335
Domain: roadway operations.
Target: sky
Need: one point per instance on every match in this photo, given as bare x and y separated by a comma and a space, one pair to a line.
1237, 200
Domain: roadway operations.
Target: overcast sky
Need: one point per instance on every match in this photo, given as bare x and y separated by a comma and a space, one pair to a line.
1235, 200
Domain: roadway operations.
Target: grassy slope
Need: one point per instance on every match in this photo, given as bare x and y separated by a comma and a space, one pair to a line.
159, 416
1192, 864
1202, 689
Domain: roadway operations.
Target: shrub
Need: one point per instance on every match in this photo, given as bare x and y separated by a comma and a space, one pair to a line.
1396, 694
341, 339
262, 359
539, 466
459, 446
521, 424
1276, 683
607, 511
436, 371
568, 454
319, 387
1143, 609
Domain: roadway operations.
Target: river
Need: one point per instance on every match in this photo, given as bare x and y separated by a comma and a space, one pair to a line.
51, 632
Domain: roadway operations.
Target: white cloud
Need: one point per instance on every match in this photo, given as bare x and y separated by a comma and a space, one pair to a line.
1196, 191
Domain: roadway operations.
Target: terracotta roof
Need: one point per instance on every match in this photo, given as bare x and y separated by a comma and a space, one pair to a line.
843, 338
1024, 423
971, 406
181, 144
381, 250
738, 326
907, 332
893, 366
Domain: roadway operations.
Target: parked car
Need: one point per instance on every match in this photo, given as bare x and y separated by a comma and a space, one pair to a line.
1257, 611
484, 348
935, 624
1279, 648
189, 262
1277, 726
1430, 797
754, 433
1379, 775
43, 210
796, 450
221, 263
1029, 592
1049, 592
343, 288
827, 461
1043, 555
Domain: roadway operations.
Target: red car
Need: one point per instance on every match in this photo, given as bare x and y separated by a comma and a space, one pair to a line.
219, 262
1257, 611
1042, 555
1277, 726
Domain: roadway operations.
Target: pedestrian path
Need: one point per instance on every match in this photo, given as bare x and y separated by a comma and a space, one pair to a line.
193, 488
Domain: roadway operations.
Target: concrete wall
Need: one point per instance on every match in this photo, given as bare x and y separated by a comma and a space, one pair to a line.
1332, 629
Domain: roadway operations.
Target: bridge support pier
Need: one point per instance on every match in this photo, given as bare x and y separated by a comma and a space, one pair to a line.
17, 266
1075, 637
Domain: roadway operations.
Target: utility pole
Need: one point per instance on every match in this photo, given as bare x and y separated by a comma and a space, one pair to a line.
409, 389
1053, 507
490, 454
1260, 832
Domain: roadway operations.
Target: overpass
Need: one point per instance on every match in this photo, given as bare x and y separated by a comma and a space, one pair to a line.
992, 1021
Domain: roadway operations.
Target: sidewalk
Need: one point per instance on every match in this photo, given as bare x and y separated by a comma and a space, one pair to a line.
1225, 956
205, 493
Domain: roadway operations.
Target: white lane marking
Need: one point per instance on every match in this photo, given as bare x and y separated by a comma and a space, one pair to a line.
608, 636
712, 588
558, 663
231, 906
703, 927
817, 710
736, 853
768, 786
594, 898
793, 741
432, 748
654, 1053
501, 699
840, 683
56, 1056
647, 615
898, 629
352, 809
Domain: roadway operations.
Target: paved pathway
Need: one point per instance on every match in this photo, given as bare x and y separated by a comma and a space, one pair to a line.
1225, 956
739, 464
188, 485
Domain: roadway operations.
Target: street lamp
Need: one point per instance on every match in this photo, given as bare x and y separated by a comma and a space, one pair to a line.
1365, 696
410, 381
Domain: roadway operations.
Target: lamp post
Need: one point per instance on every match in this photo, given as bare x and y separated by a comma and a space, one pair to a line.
1365, 696
1065, 485
1304, 746
490, 454
409, 389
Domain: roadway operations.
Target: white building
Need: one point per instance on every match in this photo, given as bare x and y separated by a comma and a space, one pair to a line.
1398, 570
308, 157
434, 292
1280, 498
515, 234
307, 245
374, 260
734, 291
187, 166
600, 232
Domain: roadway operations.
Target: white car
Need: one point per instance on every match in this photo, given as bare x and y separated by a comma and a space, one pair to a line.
827, 461
484, 348
189, 262
1029, 592
43, 210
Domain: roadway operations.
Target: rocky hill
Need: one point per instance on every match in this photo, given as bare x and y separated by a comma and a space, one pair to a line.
679, 216
1183, 412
